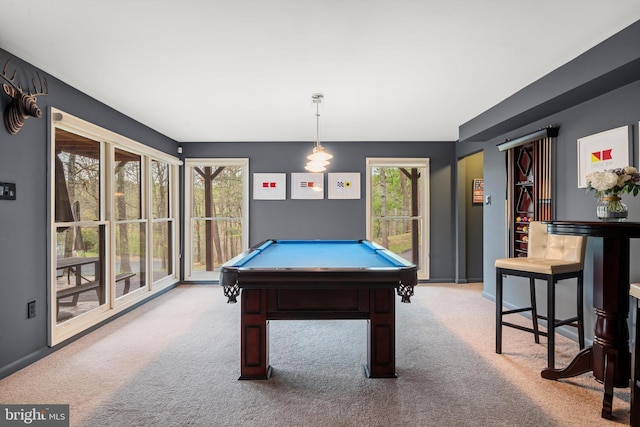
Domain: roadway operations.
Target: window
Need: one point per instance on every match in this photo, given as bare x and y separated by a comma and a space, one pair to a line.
80, 233
216, 199
130, 227
163, 222
397, 208
113, 209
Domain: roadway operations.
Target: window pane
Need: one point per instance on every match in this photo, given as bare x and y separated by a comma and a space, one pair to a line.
217, 195
160, 189
217, 191
400, 236
79, 285
130, 257
162, 244
214, 243
396, 203
77, 178
393, 192
127, 185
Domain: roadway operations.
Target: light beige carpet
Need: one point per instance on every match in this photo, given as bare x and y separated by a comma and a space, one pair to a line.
175, 362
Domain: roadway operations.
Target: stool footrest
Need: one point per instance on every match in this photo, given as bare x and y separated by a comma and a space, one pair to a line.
523, 328
572, 321
517, 310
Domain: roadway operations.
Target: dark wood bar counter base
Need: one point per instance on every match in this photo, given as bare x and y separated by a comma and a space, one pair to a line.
608, 358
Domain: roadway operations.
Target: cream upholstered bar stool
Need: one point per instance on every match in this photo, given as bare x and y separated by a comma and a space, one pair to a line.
550, 257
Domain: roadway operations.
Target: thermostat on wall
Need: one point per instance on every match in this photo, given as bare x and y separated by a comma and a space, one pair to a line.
7, 191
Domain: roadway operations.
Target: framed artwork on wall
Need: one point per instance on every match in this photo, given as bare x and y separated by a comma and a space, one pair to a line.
269, 186
604, 150
477, 191
345, 185
307, 186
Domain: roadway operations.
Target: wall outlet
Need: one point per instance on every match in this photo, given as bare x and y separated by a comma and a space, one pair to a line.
31, 309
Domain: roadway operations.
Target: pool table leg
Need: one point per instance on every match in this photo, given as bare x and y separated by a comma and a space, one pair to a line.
381, 353
254, 335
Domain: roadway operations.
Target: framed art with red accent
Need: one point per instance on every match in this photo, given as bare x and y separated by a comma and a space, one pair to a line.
269, 186
601, 151
477, 191
307, 186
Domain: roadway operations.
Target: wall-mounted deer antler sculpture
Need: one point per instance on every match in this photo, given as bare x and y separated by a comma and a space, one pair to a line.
23, 104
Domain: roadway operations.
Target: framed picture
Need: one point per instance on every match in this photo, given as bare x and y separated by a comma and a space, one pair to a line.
269, 186
477, 190
307, 186
344, 185
604, 150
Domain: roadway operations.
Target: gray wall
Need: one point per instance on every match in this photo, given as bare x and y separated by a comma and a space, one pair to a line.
341, 219
611, 99
24, 229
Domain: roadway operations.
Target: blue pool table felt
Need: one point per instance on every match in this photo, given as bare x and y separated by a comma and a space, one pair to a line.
319, 254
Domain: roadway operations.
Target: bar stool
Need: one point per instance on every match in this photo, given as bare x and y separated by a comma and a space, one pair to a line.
550, 257
634, 420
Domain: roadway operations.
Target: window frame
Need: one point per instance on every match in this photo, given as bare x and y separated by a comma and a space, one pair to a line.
171, 220
109, 141
188, 202
404, 162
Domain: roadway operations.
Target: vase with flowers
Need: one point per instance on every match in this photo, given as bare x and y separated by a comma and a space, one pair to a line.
608, 185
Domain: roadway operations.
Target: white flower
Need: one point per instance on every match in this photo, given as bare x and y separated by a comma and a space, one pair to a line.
629, 170
622, 179
602, 181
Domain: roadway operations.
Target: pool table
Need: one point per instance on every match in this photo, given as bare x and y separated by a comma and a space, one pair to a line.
317, 279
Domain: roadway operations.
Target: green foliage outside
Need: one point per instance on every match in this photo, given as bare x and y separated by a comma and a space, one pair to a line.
400, 243
90, 239
391, 208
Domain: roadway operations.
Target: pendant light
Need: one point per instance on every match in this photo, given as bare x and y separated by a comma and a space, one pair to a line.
319, 158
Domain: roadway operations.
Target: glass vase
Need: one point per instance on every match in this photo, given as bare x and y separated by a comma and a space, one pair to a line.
611, 208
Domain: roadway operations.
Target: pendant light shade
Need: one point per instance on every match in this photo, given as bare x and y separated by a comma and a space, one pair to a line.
319, 157
319, 154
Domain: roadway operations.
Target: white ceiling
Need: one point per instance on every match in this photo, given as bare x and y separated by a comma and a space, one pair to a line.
245, 70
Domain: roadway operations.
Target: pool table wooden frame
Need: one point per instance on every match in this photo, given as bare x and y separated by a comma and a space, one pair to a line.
318, 293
